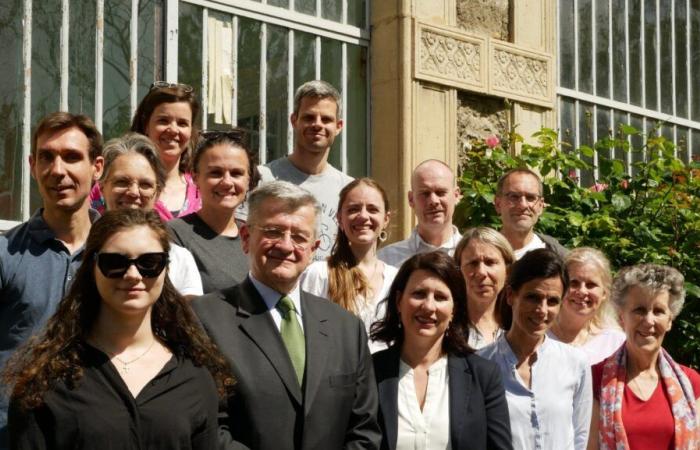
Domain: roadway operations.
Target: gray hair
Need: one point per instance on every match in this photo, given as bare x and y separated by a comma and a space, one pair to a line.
294, 197
318, 89
654, 278
487, 236
605, 315
133, 143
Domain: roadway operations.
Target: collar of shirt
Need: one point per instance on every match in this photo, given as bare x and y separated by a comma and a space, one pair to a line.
419, 245
271, 297
506, 351
39, 230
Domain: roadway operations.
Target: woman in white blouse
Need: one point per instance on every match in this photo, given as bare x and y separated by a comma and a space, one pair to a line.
485, 257
353, 276
434, 392
548, 383
587, 319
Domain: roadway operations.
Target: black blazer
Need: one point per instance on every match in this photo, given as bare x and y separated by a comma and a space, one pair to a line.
478, 409
337, 407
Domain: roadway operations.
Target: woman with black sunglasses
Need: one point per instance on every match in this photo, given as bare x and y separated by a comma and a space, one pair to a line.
224, 169
122, 363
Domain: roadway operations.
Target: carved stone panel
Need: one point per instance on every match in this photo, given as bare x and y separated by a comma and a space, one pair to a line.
520, 74
449, 58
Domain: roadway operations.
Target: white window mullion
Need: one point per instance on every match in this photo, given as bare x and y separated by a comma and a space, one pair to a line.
344, 16
319, 5
577, 140
658, 57
628, 155
263, 94
368, 119
594, 43
234, 72
134, 56
627, 52
65, 53
317, 57
99, 62
673, 59
611, 68
594, 126
290, 90
205, 68
642, 52
171, 43
576, 27
675, 140
344, 102
689, 84
27, 109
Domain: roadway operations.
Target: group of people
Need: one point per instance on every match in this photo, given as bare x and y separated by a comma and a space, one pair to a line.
171, 293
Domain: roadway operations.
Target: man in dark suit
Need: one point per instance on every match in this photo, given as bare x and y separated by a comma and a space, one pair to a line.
304, 374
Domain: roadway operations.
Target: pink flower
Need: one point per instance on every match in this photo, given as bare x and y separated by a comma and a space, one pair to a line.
492, 141
624, 184
599, 187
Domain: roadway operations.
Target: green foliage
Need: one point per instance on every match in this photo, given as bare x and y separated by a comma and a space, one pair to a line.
650, 215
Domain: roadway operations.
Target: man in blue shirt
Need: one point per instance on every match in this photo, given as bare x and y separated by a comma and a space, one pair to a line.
39, 258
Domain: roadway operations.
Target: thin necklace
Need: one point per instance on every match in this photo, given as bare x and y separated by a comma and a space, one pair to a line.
125, 364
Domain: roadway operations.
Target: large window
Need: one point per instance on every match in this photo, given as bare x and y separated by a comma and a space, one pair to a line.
247, 58
630, 61
244, 57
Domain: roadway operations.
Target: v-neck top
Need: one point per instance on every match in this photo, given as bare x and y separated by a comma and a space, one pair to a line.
427, 429
177, 409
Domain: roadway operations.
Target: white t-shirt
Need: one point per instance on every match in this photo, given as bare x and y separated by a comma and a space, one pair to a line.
183, 272
534, 244
315, 281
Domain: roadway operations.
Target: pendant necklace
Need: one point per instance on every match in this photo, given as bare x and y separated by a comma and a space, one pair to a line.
125, 364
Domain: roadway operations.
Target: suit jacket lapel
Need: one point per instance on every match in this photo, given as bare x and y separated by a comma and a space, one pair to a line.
260, 327
316, 337
388, 387
460, 390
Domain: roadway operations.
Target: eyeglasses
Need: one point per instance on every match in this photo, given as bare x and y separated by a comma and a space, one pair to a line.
514, 197
115, 265
275, 234
164, 84
121, 185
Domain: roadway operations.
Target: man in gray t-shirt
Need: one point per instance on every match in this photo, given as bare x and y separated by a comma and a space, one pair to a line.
316, 122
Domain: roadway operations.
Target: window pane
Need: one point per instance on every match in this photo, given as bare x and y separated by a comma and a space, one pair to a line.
356, 13
277, 75
117, 110
566, 45
81, 66
666, 60
650, 52
602, 61
332, 10
696, 145
11, 108
619, 118
619, 50
636, 48
46, 67
304, 58
150, 48
695, 63
219, 70
305, 6
249, 79
681, 60
567, 115
331, 66
585, 47
585, 135
355, 113
603, 129
637, 141
280, 3
189, 48
682, 143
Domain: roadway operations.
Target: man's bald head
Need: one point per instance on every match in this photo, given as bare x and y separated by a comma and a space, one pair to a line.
433, 195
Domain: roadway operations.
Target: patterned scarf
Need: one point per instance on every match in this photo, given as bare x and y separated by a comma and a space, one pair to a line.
612, 433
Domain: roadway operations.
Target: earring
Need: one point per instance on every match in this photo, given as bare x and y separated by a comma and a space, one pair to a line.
383, 236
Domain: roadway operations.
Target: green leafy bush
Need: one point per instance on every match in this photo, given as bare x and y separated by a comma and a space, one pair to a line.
648, 211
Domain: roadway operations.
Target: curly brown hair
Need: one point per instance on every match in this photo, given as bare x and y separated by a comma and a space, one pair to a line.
56, 354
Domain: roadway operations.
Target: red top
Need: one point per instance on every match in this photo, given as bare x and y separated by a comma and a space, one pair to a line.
648, 424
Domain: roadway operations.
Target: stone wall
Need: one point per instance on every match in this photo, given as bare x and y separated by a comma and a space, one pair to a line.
485, 17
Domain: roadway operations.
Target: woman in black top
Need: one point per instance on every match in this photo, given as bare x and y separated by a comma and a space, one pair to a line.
122, 364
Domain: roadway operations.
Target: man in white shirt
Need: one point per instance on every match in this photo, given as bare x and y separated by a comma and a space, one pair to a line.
316, 121
520, 203
433, 197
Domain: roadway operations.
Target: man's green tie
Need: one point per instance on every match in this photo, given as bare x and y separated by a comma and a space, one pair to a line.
292, 335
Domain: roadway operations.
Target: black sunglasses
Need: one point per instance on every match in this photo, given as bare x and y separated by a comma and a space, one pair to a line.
115, 265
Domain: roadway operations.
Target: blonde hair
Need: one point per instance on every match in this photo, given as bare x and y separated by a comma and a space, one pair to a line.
605, 316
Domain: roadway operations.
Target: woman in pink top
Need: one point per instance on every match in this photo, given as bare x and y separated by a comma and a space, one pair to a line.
168, 116
644, 400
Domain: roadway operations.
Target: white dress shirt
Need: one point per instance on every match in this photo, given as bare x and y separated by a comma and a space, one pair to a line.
271, 297
555, 412
398, 252
428, 429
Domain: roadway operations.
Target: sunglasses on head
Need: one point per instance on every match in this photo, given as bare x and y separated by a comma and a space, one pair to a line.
115, 265
165, 84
